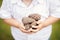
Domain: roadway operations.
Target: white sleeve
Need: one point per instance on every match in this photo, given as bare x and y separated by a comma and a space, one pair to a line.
5, 10
54, 8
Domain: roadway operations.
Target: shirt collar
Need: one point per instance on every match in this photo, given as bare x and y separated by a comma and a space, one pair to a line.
19, 2
23, 5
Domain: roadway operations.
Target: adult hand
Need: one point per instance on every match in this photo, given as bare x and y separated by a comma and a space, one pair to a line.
35, 29
22, 28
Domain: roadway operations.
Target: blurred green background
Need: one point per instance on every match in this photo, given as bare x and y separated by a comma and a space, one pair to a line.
5, 33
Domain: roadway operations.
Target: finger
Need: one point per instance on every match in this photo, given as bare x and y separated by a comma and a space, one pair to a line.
34, 26
22, 26
30, 31
38, 22
25, 31
34, 31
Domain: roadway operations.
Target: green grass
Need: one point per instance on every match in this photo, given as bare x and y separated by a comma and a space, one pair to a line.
5, 33
0, 2
56, 31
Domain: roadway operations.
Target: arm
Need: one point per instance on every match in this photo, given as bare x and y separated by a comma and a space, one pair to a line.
18, 25
50, 20
12, 22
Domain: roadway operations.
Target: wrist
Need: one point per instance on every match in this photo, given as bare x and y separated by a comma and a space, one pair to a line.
19, 26
41, 25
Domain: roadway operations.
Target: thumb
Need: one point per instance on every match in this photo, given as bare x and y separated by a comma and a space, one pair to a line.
22, 26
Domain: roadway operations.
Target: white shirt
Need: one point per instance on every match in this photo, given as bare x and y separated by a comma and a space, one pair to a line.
17, 9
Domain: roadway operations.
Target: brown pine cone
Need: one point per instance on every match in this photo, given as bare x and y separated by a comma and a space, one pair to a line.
27, 20
35, 16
